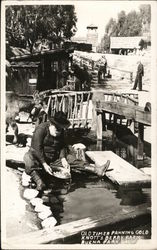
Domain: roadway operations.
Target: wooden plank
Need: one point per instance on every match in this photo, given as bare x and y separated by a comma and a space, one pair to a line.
46, 236
24, 66
114, 129
133, 112
140, 144
99, 126
120, 171
87, 107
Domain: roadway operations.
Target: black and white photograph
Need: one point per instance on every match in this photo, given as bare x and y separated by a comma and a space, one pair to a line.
78, 124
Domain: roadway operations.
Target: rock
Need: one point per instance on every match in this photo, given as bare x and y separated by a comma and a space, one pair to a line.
30, 193
43, 215
25, 183
26, 177
54, 200
61, 197
40, 207
48, 191
49, 222
45, 198
36, 201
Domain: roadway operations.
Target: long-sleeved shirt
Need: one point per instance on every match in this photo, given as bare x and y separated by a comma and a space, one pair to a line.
44, 146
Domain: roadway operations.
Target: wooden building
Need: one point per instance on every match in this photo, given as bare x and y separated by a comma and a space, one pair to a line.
38, 71
80, 46
123, 44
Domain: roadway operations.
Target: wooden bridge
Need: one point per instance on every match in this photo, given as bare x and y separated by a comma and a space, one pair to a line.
92, 109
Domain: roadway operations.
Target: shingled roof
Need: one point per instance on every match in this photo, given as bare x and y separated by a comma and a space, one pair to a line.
125, 42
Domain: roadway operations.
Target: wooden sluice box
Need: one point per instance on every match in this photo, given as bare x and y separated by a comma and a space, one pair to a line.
120, 171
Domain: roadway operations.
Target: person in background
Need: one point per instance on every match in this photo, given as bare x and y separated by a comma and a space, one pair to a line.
82, 81
64, 78
47, 149
102, 68
139, 75
87, 79
39, 113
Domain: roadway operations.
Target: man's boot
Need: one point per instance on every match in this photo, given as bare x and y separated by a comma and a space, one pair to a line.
38, 181
101, 170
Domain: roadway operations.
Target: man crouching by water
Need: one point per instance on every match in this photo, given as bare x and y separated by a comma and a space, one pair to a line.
48, 152
47, 148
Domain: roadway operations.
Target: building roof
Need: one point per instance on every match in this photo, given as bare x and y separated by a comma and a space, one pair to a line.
92, 26
125, 42
79, 39
52, 54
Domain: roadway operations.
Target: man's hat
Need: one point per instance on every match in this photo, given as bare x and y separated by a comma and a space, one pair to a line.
60, 120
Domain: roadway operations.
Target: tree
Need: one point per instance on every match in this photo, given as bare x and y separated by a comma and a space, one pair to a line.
145, 17
145, 13
121, 23
105, 44
111, 28
27, 24
133, 25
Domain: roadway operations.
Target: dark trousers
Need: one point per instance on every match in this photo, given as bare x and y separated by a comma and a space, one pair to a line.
31, 163
78, 85
101, 72
138, 82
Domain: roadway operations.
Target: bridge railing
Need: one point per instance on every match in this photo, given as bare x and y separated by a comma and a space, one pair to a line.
76, 105
79, 105
123, 98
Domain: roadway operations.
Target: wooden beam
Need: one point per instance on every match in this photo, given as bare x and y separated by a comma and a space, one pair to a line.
133, 112
114, 128
140, 143
24, 66
48, 236
99, 145
99, 125
120, 171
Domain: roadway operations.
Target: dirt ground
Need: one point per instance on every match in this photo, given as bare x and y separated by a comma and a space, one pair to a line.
125, 62
18, 218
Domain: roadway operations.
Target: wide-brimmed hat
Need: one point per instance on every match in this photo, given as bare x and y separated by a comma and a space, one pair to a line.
60, 120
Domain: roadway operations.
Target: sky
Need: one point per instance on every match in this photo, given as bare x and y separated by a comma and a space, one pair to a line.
99, 13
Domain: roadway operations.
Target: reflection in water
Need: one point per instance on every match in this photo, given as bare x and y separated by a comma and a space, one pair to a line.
87, 195
132, 197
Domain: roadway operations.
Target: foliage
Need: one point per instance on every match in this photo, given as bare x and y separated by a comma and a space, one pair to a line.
131, 24
111, 27
145, 13
105, 44
26, 24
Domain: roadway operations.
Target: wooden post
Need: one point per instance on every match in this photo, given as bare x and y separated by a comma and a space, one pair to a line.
99, 145
140, 145
114, 128
131, 77
104, 121
99, 125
